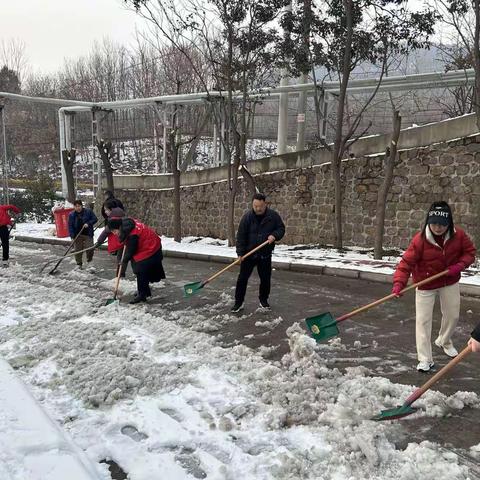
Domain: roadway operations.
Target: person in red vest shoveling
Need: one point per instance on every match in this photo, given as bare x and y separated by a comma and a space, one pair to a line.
143, 249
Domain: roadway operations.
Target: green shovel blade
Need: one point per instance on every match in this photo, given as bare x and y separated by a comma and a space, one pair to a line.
322, 326
394, 413
110, 301
192, 288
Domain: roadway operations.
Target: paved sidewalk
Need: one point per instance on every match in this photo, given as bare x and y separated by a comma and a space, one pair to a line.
349, 269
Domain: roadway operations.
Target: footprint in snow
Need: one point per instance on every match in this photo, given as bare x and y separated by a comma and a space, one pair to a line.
189, 462
172, 413
133, 433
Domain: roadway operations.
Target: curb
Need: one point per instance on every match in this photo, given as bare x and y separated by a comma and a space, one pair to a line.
466, 290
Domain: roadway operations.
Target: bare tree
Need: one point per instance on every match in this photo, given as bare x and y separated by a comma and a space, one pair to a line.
389, 165
345, 34
68, 160
234, 39
13, 56
105, 148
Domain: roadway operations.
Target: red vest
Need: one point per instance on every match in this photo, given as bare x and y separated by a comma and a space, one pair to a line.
114, 243
148, 241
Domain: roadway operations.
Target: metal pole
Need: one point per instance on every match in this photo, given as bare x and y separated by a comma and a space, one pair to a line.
97, 161
6, 193
301, 113
215, 145
282, 129
61, 134
165, 123
282, 118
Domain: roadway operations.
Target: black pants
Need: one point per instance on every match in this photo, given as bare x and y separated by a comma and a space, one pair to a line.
148, 271
4, 234
264, 269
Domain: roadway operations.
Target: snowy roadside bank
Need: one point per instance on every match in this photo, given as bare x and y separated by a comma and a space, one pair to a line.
354, 262
31, 444
167, 401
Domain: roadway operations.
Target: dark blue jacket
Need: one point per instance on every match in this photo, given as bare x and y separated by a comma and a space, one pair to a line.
77, 220
254, 230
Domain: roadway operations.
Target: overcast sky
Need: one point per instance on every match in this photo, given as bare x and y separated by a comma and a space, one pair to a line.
56, 29
53, 30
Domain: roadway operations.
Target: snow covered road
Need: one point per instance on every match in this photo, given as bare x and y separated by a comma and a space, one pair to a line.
145, 388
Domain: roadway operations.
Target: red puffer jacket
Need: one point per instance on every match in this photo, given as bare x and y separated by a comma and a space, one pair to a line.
424, 258
4, 216
148, 241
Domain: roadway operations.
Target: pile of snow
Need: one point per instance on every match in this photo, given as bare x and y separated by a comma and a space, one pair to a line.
164, 399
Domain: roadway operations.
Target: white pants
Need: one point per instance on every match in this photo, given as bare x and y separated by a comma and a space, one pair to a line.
450, 307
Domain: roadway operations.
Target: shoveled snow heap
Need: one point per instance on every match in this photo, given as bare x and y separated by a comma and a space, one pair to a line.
165, 400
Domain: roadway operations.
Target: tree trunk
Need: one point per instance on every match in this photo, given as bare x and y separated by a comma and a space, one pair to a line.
68, 159
249, 180
338, 148
390, 159
105, 149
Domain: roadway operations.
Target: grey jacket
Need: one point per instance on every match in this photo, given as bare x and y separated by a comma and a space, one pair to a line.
115, 213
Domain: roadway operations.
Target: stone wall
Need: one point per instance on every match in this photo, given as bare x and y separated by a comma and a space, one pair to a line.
304, 197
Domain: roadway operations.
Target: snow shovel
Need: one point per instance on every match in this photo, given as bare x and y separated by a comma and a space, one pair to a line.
324, 326
192, 288
66, 256
117, 281
72, 243
406, 408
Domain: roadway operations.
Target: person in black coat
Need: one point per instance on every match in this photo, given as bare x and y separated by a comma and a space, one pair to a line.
256, 226
113, 203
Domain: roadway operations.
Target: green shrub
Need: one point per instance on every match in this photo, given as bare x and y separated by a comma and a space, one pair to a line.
36, 201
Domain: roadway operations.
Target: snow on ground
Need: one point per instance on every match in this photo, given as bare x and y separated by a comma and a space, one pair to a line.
355, 258
165, 400
31, 444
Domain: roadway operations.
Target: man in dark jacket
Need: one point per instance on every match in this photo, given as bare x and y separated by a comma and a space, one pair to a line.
114, 203
81, 222
256, 226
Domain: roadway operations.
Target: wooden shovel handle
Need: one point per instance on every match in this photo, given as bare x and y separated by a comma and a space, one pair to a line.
237, 261
119, 272
391, 296
421, 390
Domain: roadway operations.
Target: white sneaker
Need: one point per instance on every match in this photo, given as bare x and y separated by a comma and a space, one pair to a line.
237, 307
425, 366
5, 263
449, 351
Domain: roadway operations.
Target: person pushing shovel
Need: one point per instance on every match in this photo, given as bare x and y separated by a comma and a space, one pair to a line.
440, 246
80, 228
257, 226
143, 248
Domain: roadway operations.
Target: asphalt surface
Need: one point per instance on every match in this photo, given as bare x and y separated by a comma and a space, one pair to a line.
381, 339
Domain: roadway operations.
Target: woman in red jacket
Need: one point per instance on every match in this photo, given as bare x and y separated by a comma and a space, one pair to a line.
144, 250
439, 246
5, 221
